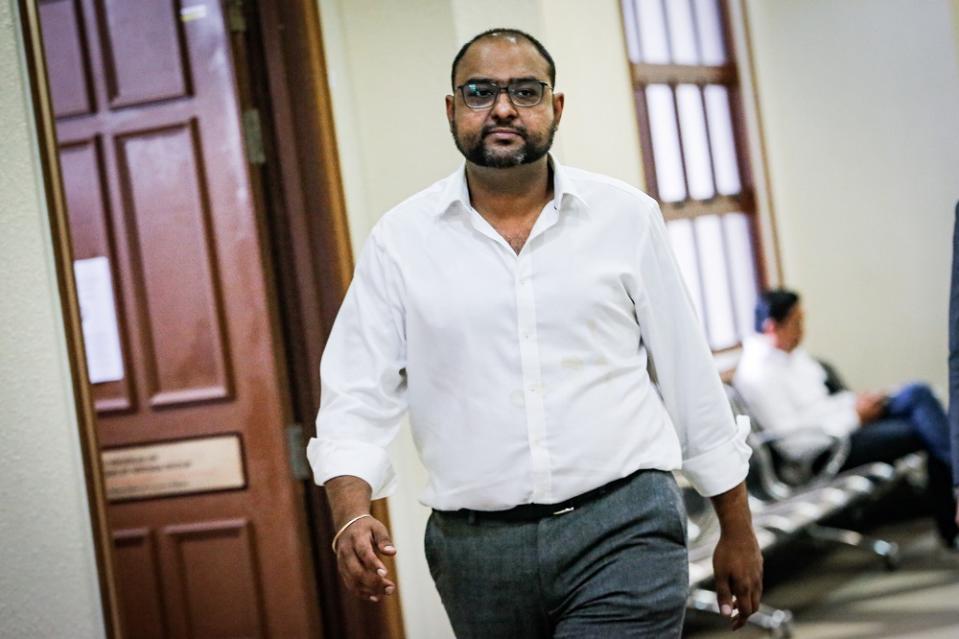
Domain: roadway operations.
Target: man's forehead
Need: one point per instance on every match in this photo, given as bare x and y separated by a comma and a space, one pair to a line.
502, 57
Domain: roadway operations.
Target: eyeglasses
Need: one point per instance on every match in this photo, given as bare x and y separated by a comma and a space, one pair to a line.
522, 93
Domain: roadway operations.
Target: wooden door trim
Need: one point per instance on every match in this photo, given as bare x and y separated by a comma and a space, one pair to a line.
55, 197
314, 260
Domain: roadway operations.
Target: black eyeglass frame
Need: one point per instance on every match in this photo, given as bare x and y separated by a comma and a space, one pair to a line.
500, 89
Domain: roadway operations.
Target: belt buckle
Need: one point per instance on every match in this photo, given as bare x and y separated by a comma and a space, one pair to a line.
563, 511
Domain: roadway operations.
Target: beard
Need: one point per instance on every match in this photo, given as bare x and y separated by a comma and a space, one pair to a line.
475, 149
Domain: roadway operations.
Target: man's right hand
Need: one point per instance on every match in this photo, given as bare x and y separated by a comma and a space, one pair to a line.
870, 407
359, 547
358, 552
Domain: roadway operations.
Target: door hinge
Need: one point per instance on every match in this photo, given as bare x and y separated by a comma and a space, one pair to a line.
296, 448
253, 136
236, 15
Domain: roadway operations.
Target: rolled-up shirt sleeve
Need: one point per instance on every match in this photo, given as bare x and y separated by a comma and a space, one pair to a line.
363, 379
715, 453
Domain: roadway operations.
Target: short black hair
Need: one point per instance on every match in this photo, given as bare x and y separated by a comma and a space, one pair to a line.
493, 33
775, 304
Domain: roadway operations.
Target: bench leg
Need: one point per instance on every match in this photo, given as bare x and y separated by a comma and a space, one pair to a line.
888, 551
778, 623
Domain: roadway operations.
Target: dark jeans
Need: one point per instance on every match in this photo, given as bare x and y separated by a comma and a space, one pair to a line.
614, 567
914, 421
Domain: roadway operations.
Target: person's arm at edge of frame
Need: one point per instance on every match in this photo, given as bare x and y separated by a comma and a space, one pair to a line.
737, 560
954, 358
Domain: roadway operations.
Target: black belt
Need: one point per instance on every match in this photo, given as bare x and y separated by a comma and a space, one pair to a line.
532, 512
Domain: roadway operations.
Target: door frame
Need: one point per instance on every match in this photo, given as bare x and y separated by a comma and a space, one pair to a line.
56, 202
299, 145
313, 259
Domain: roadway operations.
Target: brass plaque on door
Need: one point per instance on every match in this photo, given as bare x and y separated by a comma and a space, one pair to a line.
174, 468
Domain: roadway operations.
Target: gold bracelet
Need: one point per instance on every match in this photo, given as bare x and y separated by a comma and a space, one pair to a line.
336, 537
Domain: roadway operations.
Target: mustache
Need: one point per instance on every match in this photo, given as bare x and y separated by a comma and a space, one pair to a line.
518, 130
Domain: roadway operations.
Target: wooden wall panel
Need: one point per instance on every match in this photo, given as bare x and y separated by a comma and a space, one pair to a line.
214, 578
66, 53
91, 233
127, 30
168, 218
140, 598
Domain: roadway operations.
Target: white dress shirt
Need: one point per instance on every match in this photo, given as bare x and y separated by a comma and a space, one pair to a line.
525, 376
788, 395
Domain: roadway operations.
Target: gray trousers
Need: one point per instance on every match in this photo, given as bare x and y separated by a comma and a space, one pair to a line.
613, 567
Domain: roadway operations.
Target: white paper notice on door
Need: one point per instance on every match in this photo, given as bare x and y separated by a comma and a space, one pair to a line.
101, 335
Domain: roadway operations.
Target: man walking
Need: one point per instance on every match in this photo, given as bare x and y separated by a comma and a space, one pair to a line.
514, 308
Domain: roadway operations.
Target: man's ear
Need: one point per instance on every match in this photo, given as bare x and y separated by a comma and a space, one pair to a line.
559, 103
449, 110
769, 326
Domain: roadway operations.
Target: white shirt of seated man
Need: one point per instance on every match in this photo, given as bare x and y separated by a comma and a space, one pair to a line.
785, 388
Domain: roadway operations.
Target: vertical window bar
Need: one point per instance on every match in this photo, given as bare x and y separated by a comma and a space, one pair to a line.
646, 142
679, 136
730, 283
709, 140
660, 102
652, 31
759, 260
723, 140
710, 26
697, 35
668, 34
633, 40
703, 300
695, 136
682, 30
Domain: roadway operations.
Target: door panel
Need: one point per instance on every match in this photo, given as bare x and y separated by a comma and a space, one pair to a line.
85, 185
211, 569
171, 241
132, 77
156, 179
66, 55
138, 570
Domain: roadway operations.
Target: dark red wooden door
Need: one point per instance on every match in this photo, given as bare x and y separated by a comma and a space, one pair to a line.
149, 126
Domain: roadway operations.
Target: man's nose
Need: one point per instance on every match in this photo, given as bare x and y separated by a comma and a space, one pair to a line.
503, 108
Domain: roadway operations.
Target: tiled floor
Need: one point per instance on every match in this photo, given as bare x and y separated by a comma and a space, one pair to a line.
847, 594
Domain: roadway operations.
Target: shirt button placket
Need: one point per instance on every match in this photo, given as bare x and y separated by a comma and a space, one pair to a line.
532, 377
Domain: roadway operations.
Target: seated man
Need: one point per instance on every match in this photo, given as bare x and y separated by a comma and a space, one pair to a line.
786, 389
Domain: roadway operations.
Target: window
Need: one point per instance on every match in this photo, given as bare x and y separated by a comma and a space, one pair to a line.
694, 155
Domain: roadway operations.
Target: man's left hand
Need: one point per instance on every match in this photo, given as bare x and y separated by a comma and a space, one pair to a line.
737, 561
738, 567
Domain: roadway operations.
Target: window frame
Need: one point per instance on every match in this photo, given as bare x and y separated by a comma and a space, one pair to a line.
727, 75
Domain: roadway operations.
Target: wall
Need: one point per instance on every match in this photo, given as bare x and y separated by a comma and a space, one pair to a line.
48, 583
860, 101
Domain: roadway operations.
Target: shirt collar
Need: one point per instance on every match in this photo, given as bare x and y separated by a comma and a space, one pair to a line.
456, 191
